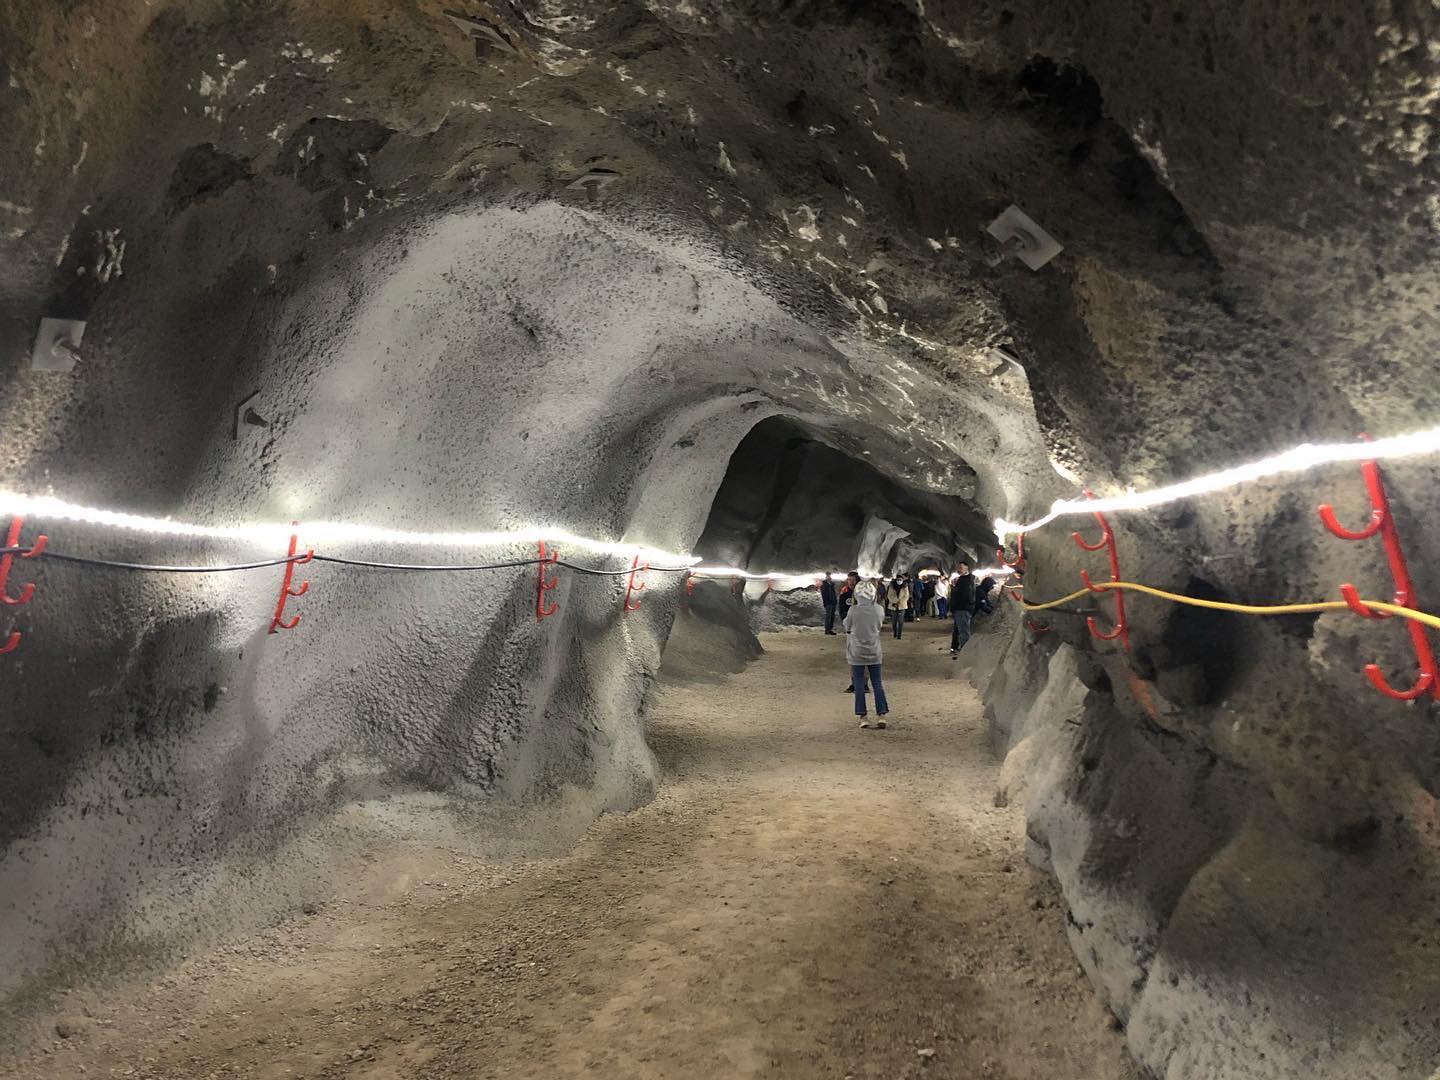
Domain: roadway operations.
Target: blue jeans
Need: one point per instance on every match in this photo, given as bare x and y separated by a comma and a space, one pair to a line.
961, 633
941, 602
829, 618
897, 621
857, 680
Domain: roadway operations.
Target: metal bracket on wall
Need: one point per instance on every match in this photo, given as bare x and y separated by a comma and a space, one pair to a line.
13, 548
486, 35
630, 585
1382, 522
279, 622
594, 182
1022, 238
546, 582
1019, 561
246, 415
1106, 542
57, 345
1005, 364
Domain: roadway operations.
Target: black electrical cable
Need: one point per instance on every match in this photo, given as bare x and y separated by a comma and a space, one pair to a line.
112, 564
498, 566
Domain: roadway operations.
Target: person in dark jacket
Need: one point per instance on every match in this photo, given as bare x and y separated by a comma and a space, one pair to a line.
962, 606
846, 602
982, 596
830, 598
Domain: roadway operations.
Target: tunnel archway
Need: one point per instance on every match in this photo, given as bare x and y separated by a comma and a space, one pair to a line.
790, 500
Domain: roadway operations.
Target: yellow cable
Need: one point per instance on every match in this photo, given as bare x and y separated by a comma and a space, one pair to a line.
1423, 617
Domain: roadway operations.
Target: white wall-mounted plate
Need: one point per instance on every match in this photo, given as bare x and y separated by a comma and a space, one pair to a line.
1032, 245
45, 356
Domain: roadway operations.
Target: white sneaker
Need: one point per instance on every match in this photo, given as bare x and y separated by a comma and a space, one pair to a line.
864, 723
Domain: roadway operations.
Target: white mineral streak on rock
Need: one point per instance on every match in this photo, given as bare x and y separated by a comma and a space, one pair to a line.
110, 259
806, 229
1152, 152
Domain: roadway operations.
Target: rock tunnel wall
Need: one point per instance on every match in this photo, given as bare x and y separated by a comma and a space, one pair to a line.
354, 210
435, 382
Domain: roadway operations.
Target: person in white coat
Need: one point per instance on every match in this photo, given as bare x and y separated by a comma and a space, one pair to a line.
862, 650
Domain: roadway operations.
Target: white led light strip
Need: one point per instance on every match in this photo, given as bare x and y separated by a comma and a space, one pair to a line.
1298, 459
315, 533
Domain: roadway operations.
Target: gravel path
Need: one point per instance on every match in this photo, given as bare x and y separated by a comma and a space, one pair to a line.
803, 899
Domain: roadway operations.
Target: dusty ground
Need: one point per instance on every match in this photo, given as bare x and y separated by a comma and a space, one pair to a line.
803, 899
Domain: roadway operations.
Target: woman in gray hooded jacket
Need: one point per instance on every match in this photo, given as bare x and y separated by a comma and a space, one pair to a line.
862, 650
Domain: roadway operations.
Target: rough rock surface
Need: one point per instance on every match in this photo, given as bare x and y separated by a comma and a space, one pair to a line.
791, 502
355, 210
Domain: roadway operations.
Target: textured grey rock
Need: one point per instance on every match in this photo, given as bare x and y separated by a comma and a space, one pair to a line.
351, 213
711, 636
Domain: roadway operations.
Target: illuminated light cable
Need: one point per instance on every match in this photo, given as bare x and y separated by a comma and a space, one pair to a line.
749, 575
1297, 459
317, 533
321, 532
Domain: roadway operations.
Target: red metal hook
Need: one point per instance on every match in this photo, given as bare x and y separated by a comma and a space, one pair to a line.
630, 585
279, 622
1106, 542
687, 591
1019, 563
12, 540
1382, 521
547, 581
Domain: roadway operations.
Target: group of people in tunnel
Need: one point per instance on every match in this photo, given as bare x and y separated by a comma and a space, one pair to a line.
862, 606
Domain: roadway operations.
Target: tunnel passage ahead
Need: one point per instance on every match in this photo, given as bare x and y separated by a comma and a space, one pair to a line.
789, 500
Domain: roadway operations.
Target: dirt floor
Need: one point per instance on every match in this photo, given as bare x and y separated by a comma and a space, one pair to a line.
803, 899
